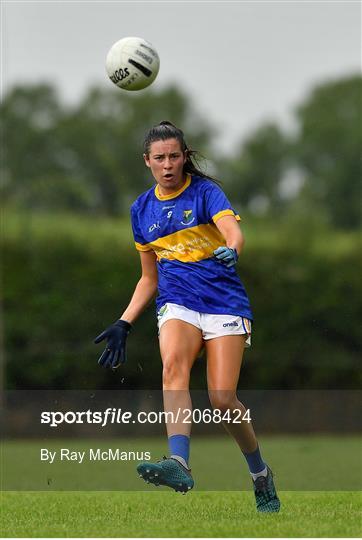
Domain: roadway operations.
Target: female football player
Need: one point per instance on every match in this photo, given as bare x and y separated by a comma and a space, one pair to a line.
189, 241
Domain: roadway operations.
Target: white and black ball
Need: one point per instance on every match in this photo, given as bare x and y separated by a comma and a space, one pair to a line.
132, 63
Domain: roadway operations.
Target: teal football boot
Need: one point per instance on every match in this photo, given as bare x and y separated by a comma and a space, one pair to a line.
167, 472
265, 493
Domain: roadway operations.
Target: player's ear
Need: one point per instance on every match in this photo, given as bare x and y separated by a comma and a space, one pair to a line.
147, 160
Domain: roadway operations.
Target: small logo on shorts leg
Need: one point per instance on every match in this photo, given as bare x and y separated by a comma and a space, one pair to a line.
227, 324
162, 311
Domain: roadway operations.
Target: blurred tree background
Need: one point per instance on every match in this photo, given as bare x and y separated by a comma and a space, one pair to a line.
69, 175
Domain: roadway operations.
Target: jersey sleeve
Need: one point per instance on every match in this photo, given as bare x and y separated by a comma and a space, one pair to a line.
140, 242
218, 205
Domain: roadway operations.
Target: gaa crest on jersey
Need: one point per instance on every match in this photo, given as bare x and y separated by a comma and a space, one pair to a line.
187, 218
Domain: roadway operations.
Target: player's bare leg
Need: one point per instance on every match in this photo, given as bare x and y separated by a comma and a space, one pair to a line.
224, 358
180, 343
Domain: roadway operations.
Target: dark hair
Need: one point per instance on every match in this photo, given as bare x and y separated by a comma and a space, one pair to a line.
166, 130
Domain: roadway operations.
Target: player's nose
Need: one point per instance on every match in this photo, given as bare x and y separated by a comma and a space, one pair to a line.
167, 163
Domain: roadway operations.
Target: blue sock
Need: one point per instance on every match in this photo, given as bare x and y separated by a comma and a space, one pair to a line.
255, 463
179, 445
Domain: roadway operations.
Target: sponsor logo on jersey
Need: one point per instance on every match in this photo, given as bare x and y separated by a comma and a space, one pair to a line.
234, 323
154, 226
187, 217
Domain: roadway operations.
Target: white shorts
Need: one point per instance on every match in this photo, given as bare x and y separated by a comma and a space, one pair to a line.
211, 325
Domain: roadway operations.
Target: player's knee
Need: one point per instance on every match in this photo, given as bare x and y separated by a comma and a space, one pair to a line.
224, 400
174, 373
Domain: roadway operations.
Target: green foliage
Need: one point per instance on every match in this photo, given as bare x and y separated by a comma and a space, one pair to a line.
316, 172
67, 278
29, 148
328, 149
254, 174
88, 158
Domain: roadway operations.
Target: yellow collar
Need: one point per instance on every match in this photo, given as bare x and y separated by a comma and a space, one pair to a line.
176, 193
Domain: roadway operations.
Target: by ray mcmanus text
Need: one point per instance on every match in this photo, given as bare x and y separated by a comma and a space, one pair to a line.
92, 454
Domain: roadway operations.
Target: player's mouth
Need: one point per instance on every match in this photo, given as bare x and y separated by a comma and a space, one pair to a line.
168, 176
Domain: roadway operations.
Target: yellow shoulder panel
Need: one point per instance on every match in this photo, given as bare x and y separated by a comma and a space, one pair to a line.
143, 247
223, 213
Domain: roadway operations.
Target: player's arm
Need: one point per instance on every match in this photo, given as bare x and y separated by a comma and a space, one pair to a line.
145, 289
116, 334
229, 228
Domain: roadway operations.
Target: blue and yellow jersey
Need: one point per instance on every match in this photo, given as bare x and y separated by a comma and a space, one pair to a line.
180, 228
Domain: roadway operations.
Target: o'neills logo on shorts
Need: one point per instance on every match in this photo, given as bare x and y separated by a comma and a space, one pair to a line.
234, 323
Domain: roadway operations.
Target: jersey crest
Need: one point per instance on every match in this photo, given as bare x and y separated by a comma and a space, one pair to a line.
187, 217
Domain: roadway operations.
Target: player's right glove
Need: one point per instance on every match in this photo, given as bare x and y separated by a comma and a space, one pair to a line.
115, 352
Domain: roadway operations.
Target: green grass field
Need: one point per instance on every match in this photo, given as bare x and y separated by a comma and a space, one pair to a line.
198, 514
301, 463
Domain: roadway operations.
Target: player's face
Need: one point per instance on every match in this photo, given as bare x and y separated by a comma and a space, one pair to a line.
166, 161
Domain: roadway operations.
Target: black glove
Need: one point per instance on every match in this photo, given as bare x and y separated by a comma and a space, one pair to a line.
115, 352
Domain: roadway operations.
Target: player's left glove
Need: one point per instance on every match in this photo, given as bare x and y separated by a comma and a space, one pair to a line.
115, 352
227, 256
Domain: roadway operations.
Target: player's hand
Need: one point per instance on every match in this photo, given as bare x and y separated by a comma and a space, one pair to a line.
226, 256
115, 352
